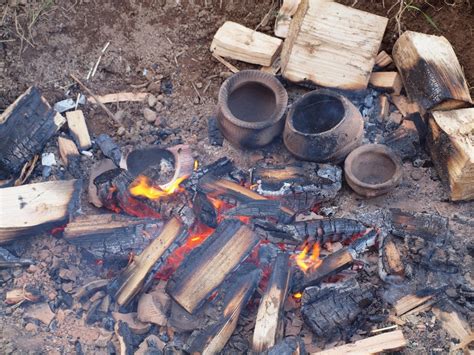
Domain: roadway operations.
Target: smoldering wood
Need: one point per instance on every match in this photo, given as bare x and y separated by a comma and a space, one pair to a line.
269, 314
330, 309
260, 209
137, 276
221, 167
204, 210
35, 208
25, 128
111, 236
206, 267
97, 169
431, 227
232, 297
183, 321
109, 148
83, 292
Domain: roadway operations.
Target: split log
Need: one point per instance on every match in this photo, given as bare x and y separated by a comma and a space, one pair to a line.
206, 267
137, 276
428, 226
231, 300
383, 59
409, 303
68, 152
32, 209
25, 127
268, 321
332, 45
235, 41
78, 128
381, 343
431, 73
111, 236
283, 18
331, 309
119, 97
451, 144
389, 81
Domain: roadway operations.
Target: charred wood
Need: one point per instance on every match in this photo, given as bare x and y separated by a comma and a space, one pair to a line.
391, 268
204, 210
109, 148
214, 134
8, 260
261, 209
405, 140
289, 346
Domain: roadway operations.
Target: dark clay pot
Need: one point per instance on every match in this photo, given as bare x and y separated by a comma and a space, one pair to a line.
251, 107
323, 126
372, 170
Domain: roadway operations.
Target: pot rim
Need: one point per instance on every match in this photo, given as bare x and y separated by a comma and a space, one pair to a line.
344, 101
248, 76
377, 148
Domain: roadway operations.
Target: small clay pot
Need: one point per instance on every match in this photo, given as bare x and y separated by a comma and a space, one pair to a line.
372, 170
323, 126
251, 107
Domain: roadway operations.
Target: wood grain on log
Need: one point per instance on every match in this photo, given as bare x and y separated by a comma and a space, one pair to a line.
78, 128
428, 226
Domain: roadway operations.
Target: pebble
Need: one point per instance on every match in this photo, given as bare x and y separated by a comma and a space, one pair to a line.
52, 295
41, 312
32, 269
158, 122
152, 100
46, 171
67, 287
161, 98
416, 175
418, 162
48, 159
154, 87
30, 327
199, 85
121, 131
158, 107
150, 115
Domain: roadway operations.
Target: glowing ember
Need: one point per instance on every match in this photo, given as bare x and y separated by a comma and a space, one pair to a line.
196, 165
298, 295
309, 262
142, 186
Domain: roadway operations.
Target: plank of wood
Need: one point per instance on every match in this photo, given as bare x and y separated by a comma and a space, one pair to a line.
78, 128
283, 18
25, 128
31, 209
332, 45
430, 70
409, 302
235, 41
372, 345
388, 81
268, 319
67, 150
451, 145
383, 59
208, 265
119, 97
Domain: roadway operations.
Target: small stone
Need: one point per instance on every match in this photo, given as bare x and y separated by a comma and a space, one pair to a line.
52, 295
32, 269
158, 107
451, 292
196, 101
66, 274
46, 171
150, 115
67, 287
41, 312
119, 115
417, 163
225, 74
416, 175
154, 87
121, 131
158, 122
199, 85
30, 327
48, 159
161, 98
152, 100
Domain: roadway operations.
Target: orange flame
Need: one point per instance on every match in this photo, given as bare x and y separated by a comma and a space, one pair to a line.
309, 262
196, 165
142, 186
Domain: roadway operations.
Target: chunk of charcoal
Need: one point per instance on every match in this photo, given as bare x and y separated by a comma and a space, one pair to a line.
214, 134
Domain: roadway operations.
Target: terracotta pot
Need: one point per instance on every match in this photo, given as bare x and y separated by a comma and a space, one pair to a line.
323, 126
372, 170
251, 107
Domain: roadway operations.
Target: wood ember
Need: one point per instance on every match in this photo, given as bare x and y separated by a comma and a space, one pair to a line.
111, 236
109, 148
331, 309
25, 127
430, 71
269, 314
132, 322
78, 128
141, 270
206, 267
428, 226
31, 209
183, 321
153, 308
204, 210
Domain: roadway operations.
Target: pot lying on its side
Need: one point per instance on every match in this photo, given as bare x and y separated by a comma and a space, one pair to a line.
323, 126
251, 107
373, 170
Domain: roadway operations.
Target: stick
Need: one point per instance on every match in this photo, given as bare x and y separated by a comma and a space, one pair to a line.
226, 63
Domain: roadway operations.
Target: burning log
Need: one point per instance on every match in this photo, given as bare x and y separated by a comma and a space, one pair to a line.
231, 300
144, 266
34, 208
269, 312
428, 226
208, 265
331, 309
260, 209
25, 127
111, 236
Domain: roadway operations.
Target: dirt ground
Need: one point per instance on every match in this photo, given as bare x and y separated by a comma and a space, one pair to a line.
164, 49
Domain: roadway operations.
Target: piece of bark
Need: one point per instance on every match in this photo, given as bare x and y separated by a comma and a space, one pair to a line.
111, 236
283, 18
332, 45
140, 271
97, 169
32, 209
206, 267
150, 310
78, 128
381, 343
383, 59
269, 312
409, 302
431, 73
18, 295
119, 97
25, 127
67, 150
235, 41
451, 145
390, 82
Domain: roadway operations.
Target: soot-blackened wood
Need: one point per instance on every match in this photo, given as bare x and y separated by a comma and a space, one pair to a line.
232, 297
331, 309
35, 208
109, 148
298, 187
391, 261
204, 210
25, 127
289, 346
405, 140
111, 236
269, 311
261, 209
206, 267
142, 269
428, 226
214, 134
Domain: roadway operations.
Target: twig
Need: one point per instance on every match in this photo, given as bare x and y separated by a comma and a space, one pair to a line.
226, 63
197, 92
384, 329
109, 113
105, 47
95, 66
